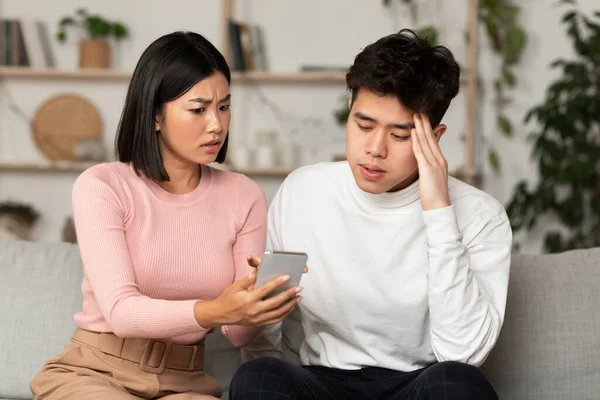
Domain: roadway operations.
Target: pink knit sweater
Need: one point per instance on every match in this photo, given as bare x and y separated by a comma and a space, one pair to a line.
149, 255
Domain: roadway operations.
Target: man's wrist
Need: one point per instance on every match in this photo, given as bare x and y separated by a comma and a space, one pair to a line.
434, 205
441, 226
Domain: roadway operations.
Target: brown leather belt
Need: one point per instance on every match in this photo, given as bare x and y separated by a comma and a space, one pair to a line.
153, 355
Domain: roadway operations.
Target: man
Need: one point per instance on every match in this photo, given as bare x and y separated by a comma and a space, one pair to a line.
408, 268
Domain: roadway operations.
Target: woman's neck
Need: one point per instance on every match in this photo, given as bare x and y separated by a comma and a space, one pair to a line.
184, 177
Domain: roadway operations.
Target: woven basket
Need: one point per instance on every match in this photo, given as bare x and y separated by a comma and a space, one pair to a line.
61, 122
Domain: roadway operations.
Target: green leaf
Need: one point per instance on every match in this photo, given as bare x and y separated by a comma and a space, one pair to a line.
515, 42
530, 114
509, 77
498, 85
66, 22
342, 113
558, 63
591, 25
82, 12
119, 30
553, 242
97, 27
431, 33
494, 160
569, 16
505, 125
61, 36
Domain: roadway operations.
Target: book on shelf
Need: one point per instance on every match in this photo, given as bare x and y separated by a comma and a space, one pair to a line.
24, 43
246, 46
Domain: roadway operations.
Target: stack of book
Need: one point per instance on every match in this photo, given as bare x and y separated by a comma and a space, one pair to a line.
246, 46
24, 43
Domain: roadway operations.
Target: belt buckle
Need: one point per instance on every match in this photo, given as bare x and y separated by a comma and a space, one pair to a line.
148, 353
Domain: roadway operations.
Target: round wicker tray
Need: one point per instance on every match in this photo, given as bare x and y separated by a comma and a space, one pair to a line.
61, 122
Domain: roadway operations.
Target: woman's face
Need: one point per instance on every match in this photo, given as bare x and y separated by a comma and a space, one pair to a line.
194, 126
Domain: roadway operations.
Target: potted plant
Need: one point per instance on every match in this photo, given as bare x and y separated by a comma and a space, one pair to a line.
94, 50
566, 146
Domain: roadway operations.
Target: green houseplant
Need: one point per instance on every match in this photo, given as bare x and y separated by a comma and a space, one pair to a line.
566, 146
94, 51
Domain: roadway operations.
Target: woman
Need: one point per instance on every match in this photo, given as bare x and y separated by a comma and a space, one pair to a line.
165, 240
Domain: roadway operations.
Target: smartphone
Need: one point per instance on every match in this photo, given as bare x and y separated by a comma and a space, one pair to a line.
278, 263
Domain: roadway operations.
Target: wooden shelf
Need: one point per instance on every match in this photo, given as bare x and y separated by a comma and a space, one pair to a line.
114, 75
67, 166
83, 74
326, 77
250, 77
56, 166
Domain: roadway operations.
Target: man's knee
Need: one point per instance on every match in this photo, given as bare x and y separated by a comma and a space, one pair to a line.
254, 375
452, 376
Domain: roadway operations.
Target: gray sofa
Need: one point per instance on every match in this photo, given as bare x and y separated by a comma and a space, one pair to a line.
549, 347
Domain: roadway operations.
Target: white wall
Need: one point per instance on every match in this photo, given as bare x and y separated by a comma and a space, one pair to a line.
299, 32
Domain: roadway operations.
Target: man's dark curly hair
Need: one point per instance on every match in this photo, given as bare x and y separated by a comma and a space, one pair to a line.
423, 77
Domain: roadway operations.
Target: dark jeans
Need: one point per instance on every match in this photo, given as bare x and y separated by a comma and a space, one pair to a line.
273, 379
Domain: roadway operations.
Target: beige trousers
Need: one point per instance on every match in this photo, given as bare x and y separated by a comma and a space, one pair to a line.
97, 366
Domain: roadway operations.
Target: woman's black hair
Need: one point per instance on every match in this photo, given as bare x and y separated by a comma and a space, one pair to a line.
168, 68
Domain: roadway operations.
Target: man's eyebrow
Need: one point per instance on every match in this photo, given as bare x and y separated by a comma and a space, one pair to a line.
208, 101
401, 126
364, 117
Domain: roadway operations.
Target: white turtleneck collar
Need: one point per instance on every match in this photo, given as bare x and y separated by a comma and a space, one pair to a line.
384, 201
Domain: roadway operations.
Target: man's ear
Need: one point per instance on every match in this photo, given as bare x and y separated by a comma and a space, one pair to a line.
350, 103
439, 131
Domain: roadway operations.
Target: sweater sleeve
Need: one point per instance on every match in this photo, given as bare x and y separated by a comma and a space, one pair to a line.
468, 283
100, 211
250, 240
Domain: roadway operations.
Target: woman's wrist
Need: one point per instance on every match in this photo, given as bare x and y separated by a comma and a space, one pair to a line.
204, 312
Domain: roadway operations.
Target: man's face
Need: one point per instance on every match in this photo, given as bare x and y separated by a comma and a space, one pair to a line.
378, 143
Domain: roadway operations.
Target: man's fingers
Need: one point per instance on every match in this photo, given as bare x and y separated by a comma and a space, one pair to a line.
416, 144
431, 138
423, 142
306, 269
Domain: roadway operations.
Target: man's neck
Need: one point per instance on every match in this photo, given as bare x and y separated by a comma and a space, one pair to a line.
412, 178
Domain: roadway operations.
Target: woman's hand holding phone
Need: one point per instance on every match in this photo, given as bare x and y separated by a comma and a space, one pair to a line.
242, 304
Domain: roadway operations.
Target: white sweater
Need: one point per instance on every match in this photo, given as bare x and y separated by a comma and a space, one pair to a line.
390, 285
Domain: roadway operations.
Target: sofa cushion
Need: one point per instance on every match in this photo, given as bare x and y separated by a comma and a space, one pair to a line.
549, 346
40, 290
39, 293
